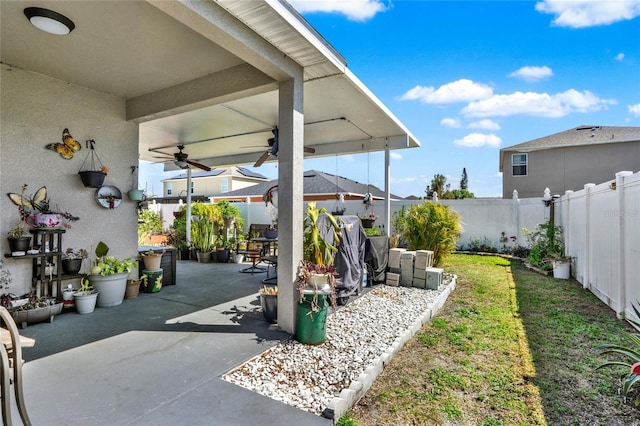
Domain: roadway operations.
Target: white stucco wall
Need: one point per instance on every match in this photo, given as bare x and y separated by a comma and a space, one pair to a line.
34, 111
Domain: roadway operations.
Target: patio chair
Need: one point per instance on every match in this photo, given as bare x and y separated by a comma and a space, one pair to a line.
272, 263
11, 359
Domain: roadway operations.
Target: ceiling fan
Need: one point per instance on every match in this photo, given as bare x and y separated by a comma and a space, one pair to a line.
181, 159
273, 148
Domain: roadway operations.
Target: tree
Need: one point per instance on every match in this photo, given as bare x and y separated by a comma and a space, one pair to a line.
464, 182
438, 185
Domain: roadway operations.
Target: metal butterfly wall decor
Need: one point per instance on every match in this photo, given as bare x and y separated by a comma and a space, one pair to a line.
68, 146
29, 205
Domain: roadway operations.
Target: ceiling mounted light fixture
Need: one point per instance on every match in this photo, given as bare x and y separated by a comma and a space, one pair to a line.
182, 164
49, 21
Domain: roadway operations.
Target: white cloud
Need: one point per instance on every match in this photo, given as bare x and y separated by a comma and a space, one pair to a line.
453, 123
462, 90
634, 110
537, 104
354, 10
395, 156
620, 56
532, 73
588, 13
484, 124
478, 140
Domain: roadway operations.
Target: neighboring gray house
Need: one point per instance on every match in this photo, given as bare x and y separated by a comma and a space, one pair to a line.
212, 183
568, 160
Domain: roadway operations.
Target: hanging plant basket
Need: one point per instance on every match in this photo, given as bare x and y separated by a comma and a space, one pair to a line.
93, 173
92, 179
134, 193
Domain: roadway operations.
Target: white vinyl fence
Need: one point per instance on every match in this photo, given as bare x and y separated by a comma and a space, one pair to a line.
601, 225
602, 234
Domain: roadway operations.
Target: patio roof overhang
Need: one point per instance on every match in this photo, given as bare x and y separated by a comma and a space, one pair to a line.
206, 74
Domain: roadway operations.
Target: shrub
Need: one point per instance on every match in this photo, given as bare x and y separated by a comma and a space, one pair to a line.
481, 246
545, 243
432, 226
149, 223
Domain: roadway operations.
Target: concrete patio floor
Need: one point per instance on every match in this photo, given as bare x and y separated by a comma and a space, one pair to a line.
157, 359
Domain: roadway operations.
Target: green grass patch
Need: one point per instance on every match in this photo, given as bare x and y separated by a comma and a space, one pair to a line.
509, 347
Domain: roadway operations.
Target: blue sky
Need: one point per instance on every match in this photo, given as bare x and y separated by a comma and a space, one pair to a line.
470, 77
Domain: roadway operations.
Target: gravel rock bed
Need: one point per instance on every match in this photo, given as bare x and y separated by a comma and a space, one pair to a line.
311, 376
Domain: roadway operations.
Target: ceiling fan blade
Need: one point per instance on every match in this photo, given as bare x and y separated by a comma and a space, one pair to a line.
262, 158
198, 165
310, 150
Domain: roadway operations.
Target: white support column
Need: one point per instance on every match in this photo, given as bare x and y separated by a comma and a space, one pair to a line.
290, 198
188, 225
387, 190
622, 229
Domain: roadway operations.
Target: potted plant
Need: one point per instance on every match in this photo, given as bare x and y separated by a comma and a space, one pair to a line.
19, 239
203, 237
269, 303
228, 211
135, 194
271, 232
368, 219
547, 251
72, 261
109, 276
133, 288
316, 273
178, 238
223, 250
93, 173
152, 259
85, 297
36, 310
35, 210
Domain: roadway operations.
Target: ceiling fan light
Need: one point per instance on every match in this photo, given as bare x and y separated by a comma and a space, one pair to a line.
182, 164
49, 21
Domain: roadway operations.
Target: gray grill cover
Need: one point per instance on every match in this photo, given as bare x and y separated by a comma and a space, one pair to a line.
350, 257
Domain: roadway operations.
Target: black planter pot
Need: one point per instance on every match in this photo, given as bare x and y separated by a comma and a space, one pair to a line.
71, 266
269, 305
19, 244
222, 256
92, 179
367, 223
185, 254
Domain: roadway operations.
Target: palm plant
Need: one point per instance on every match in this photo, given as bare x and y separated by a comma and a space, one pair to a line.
631, 377
432, 226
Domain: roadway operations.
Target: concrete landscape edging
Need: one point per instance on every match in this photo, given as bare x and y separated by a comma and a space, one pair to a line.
350, 396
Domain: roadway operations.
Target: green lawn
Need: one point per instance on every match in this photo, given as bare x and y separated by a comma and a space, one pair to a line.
510, 347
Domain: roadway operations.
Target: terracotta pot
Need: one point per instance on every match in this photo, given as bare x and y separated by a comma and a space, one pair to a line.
152, 261
133, 289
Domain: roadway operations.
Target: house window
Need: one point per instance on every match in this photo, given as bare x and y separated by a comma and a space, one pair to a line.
169, 189
224, 186
519, 163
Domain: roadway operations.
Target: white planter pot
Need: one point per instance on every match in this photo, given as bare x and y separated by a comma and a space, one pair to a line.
85, 303
562, 270
110, 288
318, 283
